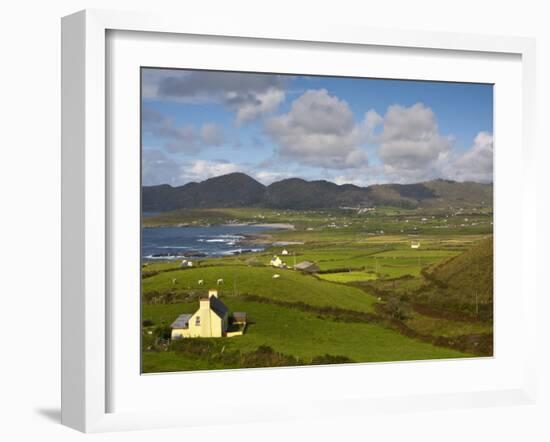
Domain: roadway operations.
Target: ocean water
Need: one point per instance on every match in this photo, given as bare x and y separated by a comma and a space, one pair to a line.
194, 242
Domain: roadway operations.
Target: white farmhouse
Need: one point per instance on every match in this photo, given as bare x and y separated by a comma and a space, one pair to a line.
276, 262
186, 263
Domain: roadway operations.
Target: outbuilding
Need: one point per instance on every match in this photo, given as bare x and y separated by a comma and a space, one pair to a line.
307, 266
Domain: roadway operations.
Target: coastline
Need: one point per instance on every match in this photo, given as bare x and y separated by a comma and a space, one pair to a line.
282, 226
243, 238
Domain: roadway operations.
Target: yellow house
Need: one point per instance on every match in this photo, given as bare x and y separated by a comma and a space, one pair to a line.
211, 320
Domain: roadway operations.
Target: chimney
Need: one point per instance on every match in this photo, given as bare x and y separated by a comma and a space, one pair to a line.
212, 292
204, 303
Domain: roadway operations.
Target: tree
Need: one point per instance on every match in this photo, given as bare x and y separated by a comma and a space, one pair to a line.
398, 308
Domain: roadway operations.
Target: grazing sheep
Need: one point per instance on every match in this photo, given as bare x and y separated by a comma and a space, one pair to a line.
219, 281
379, 299
174, 280
276, 276
201, 281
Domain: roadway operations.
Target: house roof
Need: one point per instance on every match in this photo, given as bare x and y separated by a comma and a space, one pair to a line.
182, 321
218, 307
239, 314
304, 265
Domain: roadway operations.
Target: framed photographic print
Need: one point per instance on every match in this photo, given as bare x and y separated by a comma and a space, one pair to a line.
314, 223
295, 220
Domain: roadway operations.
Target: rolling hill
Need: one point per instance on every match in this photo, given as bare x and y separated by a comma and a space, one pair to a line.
233, 190
463, 283
240, 190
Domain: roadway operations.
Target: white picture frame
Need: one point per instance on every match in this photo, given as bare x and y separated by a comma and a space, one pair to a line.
86, 212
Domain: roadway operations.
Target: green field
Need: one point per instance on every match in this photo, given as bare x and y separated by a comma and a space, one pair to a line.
291, 286
373, 299
347, 276
301, 334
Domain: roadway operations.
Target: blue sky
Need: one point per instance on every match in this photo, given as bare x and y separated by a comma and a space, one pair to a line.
199, 124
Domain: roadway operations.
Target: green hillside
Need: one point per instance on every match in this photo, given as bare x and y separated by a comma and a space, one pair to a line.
292, 332
466, 194
464, 282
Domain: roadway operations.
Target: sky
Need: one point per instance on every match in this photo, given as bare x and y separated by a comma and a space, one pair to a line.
200, 124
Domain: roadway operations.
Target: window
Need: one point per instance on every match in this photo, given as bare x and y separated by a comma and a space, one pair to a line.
198, 320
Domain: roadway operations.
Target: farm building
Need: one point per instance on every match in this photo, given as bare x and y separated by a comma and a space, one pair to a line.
307, 266
239, 318
277, 262
211, 320
186, 263
284, 252
415, 244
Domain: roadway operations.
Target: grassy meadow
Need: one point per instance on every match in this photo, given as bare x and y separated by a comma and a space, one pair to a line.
374, 298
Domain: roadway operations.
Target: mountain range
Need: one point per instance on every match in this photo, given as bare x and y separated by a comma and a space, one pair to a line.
241, 190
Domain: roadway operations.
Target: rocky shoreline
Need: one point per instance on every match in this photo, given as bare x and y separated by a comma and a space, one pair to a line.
252, 239
241, 240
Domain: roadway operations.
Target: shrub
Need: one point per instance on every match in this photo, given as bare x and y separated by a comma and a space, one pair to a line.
265, 356
397, 307
330, 359
163, 332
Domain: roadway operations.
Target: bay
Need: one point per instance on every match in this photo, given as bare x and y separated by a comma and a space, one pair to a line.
158, 243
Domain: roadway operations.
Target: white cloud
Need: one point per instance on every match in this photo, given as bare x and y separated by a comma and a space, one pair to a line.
249, 95
268, 177
374, 174
371, 122
183, 138
355, 179
211, 134
410, 145
319, 130
476, 164
158, 168
411, 149
201, 170
265, 102
316, 111
161, 168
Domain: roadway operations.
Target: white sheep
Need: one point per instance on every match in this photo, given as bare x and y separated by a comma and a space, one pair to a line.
219, 281
276, 276
201, 281
174, 280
